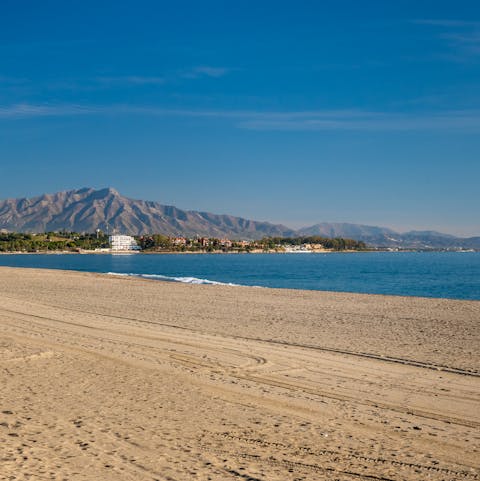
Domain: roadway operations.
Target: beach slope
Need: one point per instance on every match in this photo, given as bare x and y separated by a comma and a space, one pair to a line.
115, 378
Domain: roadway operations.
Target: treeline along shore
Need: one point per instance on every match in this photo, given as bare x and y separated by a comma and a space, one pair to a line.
96, 242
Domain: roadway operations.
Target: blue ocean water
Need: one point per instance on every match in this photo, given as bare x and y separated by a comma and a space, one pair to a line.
428, 274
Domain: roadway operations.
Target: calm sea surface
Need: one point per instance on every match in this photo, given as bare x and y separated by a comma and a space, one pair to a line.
430, 274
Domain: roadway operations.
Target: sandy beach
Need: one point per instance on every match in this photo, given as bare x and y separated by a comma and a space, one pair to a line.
114, 378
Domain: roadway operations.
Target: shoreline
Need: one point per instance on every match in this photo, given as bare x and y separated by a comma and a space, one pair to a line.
212, 283
378, 301
145, 277
184, 252
366, 251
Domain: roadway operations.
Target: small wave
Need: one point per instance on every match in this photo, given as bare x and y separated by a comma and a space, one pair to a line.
184, 280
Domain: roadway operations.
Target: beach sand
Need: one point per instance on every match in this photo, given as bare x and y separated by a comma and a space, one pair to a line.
115, 378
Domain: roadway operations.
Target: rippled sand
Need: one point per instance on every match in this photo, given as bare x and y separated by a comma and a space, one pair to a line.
108, 378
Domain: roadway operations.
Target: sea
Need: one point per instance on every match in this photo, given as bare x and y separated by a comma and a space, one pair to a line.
452, 275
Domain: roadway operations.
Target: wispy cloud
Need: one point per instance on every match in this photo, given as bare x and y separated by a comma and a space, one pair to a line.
206, 71
123, 81
22, 111
467, 43
446, 23
294, 121
461, 36
465, 121
130, 80
212, 71
102, 82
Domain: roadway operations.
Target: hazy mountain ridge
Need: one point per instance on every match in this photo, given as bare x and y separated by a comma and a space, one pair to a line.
87, 209
385, 237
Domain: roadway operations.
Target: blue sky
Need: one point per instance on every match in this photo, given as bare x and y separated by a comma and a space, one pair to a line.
293, 112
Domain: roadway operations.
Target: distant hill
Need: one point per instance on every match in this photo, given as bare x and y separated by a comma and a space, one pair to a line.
367, 233
385, 237
87, 209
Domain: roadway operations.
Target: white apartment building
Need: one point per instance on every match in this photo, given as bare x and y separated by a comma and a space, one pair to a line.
123, 243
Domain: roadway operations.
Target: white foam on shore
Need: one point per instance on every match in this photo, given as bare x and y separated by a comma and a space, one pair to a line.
185, 280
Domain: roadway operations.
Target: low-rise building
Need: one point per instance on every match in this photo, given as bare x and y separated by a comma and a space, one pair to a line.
226, 243
179, 241
123, 243
204, 241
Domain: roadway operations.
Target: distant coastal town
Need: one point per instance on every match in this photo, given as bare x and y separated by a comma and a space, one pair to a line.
99, 242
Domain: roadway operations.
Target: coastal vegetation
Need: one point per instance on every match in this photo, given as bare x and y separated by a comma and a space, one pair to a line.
76, 242
162, 243
336, 244
51, 241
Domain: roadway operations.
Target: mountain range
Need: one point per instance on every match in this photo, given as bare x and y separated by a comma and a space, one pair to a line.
87, 209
